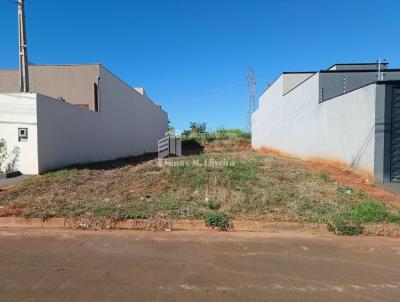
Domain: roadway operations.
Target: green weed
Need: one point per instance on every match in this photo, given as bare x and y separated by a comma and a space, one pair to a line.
218, 220
342, 226
213, 205
325, 176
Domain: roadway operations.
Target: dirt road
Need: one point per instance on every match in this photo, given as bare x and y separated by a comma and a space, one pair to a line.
63, 265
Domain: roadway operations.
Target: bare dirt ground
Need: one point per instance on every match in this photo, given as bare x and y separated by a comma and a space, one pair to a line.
42, 265
346, 177
351, 179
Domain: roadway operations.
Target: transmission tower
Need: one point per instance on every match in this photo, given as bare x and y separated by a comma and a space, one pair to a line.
252, 105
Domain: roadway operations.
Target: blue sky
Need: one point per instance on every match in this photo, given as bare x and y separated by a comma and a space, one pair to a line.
192, 55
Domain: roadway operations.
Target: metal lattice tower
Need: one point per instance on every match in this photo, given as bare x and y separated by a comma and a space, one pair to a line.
252, 102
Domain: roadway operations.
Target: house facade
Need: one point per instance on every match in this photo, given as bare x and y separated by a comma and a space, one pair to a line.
348, 115
76, 114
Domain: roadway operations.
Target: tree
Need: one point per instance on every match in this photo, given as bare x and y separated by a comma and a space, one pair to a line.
198, 127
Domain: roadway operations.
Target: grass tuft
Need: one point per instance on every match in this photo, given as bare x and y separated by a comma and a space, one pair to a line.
213, 205
325, 176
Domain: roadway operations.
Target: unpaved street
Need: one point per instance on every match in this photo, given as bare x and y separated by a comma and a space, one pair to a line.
63, 265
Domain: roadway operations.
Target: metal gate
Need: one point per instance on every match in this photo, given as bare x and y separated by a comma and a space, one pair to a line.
395, 136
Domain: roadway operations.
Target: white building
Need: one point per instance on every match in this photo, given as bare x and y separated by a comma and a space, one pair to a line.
348, 115
76, 114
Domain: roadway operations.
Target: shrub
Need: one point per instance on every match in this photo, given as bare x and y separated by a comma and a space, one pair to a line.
341, 226
218, 220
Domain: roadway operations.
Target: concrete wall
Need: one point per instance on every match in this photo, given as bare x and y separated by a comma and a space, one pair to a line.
370, 66
292, 80
333, 84
339, 130
9, 81
19, 111
74, 83
68, 134
128, 124
121, 103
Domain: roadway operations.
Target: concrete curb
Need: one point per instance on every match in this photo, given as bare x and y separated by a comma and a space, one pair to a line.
386, 229
146, 225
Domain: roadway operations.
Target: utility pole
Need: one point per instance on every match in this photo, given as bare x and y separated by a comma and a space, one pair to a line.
252, 106
23, 48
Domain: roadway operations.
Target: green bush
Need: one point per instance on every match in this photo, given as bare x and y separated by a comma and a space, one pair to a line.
218, 220
342, 226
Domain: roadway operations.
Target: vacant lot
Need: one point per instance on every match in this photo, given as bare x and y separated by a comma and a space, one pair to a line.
216, 182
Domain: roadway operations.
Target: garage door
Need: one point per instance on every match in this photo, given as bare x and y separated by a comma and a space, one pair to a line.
395, 145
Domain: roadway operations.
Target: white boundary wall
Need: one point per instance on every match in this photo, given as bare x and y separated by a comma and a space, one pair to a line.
62, 134
123, 107
340, 130
19, 111
128, 124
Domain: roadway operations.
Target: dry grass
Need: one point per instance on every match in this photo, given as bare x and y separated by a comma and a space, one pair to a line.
256, 187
